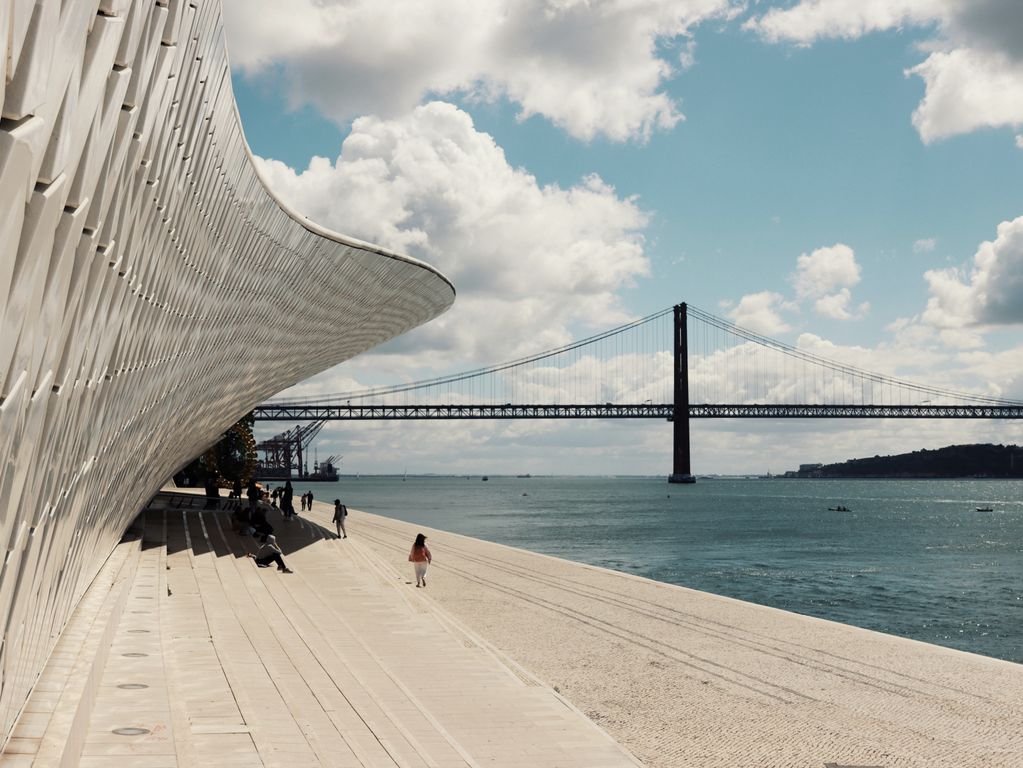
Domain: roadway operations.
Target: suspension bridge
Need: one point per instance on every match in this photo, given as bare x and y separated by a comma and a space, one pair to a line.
678, 364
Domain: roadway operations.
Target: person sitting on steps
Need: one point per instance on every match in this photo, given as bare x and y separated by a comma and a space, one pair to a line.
268, 553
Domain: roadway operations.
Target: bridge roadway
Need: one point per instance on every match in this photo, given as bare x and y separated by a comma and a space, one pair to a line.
348, 412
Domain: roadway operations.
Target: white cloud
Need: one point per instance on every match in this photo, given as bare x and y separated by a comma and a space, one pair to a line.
973, 73
925, 245
836, 306
821, 272
824, 276
529, 261
593, 67
809, 20
968, 89
761, 312
990, 293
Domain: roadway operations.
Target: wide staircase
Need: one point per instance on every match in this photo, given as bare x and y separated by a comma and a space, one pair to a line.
212, 661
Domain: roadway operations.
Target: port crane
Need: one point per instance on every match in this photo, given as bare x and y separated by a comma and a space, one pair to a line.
283, 456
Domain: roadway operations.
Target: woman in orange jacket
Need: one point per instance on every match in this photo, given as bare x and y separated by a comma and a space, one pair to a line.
420, 557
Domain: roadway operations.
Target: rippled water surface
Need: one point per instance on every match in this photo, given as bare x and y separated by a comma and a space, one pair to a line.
913, 558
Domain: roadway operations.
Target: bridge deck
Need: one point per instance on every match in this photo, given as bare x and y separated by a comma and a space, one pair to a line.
348, 412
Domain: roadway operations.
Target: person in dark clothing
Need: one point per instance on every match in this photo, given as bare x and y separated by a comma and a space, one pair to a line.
240, 519
212, 493
259, 523
236, 489
253, 494
288, 500
268, 553
309, 501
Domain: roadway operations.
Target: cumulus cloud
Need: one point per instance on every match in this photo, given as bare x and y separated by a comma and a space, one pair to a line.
989, 293
822, 278
925, 245
594, 68
974, 69
825, 269
808, 20
837, 306
761, 312
529, 261
968, 89
825, 276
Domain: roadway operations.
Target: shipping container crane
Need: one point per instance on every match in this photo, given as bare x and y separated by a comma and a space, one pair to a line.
281, 457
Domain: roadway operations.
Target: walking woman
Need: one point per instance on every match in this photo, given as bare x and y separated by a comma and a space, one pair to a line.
420, 557
340, 513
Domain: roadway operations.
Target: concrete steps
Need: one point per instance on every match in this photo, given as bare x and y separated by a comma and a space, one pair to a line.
342, 663
52, 727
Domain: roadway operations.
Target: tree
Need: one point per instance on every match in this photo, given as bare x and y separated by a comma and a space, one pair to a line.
232, 458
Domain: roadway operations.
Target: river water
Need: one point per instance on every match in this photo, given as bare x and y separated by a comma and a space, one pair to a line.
911, 557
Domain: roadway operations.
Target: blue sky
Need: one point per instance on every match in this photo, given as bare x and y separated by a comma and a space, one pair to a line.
799, 136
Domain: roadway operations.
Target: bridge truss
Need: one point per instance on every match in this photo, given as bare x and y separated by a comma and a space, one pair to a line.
274, 412
655, 368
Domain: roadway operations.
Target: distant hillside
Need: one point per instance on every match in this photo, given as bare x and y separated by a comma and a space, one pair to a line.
954, 461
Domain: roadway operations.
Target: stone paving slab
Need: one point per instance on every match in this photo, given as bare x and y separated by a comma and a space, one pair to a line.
220, 663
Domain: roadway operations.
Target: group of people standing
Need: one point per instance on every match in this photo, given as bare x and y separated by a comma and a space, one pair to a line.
286, 497
252, 520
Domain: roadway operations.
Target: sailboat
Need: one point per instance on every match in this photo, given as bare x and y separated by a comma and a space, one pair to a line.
405, 476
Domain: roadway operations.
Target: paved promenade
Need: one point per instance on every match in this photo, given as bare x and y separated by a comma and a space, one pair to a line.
216, 662
345, 663
685, 678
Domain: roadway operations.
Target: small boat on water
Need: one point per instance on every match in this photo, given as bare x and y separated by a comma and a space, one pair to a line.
839, 508
985, 509
484, 478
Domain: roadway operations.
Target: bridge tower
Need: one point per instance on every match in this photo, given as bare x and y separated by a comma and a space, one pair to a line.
680, 467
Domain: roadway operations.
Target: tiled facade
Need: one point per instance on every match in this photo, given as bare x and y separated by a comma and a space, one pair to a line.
151, 289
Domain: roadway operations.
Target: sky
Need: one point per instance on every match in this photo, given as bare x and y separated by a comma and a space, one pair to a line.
841, 174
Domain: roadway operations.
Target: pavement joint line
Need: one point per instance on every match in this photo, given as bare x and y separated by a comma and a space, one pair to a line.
470, 761
362, 682
311, 738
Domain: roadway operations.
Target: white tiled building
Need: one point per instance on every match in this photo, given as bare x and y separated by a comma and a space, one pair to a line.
152, 290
